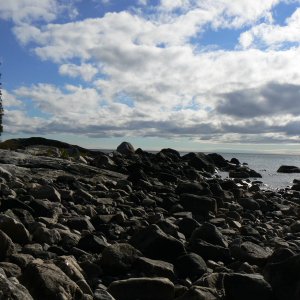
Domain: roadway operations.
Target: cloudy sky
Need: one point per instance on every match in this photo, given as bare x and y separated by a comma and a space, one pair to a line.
191, 74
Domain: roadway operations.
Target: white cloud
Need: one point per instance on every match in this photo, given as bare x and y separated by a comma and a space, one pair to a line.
20, 11
10, 100
85, 71
271, 35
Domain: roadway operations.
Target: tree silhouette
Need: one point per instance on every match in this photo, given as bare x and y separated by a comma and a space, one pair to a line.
1, 106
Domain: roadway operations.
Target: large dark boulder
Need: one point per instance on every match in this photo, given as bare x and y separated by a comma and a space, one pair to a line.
125, 148
156, 244
142, 289
247, 287
198, 204
284, 278
288, 169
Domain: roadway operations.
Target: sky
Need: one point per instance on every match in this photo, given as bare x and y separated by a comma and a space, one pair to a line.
201, 75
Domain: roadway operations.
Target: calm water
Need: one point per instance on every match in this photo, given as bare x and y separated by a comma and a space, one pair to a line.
267, 165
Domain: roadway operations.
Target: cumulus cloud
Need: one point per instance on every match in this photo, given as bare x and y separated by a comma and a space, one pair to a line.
144, 76
85, 71
272, 35
27, 11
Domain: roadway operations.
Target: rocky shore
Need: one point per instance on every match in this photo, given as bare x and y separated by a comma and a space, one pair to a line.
133, 225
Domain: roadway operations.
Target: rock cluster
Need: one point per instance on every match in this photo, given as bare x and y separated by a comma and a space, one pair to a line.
136, 225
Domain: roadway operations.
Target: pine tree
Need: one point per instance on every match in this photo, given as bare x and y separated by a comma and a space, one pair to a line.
1, 106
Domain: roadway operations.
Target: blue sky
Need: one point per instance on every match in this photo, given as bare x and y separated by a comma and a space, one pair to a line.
190, 74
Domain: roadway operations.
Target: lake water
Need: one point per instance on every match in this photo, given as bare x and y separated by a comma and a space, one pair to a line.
267, 165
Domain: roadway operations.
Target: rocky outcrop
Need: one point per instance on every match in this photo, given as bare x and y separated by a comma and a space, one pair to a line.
138, 225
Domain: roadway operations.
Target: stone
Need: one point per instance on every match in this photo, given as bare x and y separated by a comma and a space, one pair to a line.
199, 189
248, 203
247, 287
190, 265
155, 268
118, 258
142, 289
198, 204
46, 235
92, 243
7, 246
187, 226
46, 281
80, 223
14, 229
101, 294
10, 288
249, 252
288, 169
156, 244
46, 192
10, 269
125, 148
209, 251
209, 233
284, 278
199, 293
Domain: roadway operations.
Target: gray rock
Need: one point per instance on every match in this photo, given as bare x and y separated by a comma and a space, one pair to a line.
10, 269
199, 293
198, 204
46, 281
248, 203
46, 192
156, 244
11, 289
288, 169
209, 233
249, 252
155, 268
247, 287
125, 148
119, 258
190, 265
284, 278
142, 289
14, 229
7, 246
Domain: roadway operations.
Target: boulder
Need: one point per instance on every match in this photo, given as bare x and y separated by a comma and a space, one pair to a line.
199, 293
246, 287
142, 289
284, 278
156, 244
288, 169
10, 288
118, 258
249, 252
198, 204
14, 229
209, 233
46, 281
190, 265
7, 246
155, 268
125, 148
